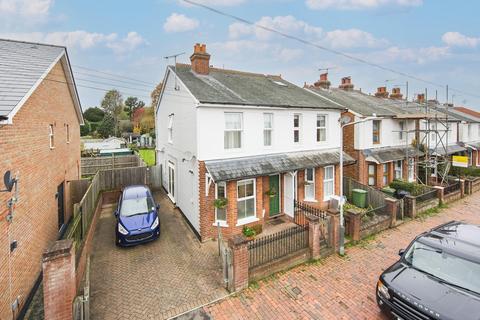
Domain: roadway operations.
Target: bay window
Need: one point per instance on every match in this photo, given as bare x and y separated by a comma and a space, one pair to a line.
245, 200
328, 182
233, 130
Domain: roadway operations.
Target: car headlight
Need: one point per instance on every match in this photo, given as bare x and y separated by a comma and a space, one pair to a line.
154, 224
122, 229
382, 290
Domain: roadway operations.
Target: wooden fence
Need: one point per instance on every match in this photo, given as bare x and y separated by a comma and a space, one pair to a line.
375, 198
91, 165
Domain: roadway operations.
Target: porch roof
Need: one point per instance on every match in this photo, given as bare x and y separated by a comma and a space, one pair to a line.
254, 166
388, 154
452, 148
475, 145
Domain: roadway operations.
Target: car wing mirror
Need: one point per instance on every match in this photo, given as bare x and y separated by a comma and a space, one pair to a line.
401, 252
158, 207
115, 213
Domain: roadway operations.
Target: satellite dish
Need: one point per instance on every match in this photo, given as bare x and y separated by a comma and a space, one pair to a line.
8, 181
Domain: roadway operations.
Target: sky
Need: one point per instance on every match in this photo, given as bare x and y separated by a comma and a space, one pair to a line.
122, 44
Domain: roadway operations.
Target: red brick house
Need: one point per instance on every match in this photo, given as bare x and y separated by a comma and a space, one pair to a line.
40, 118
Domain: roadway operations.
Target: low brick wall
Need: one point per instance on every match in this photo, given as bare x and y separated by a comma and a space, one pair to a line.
476, 185
376, 225
279, 265
426, 205
452, 196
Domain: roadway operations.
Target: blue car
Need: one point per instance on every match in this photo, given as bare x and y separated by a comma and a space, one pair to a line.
137, 217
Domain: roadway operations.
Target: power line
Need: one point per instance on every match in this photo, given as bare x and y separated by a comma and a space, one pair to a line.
310, 43
110, 74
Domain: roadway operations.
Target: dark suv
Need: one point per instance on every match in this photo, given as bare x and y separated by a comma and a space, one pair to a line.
437, 276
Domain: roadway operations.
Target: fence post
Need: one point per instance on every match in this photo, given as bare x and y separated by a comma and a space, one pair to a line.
334, 229
411, 204
59, 282
462, 188
238, 245
392, 207
314, 236
440, 194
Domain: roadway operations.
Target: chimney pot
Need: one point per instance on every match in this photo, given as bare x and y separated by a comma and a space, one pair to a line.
346, 84
323, 82
381, 92
200, 59
396, 94
420, 98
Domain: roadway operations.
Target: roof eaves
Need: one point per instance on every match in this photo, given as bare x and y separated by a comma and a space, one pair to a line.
204, 102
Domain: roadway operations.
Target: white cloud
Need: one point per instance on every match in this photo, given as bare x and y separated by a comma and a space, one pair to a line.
456, 39
416, 55
272, 51
82, 39
351, 38
25, 8
179, 23
358, 4
221, 3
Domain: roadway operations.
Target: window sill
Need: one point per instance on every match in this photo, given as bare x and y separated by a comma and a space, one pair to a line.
223, 224
248, 220
309, 200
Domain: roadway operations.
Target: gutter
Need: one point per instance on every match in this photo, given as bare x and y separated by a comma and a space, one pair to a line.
256, 106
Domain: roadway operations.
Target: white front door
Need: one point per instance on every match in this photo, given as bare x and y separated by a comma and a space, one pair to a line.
289, 182
171, 180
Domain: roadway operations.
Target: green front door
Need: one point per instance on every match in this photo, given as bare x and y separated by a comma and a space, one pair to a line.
274, 185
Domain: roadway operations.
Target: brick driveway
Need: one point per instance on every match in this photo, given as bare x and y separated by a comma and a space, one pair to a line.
156, 280
336, 288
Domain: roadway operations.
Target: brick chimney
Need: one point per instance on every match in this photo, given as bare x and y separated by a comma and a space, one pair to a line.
346, 84
421, 98
323, 82
200, 59
381, 92
396, 94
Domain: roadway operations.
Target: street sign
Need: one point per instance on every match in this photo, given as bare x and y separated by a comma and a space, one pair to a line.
460, 161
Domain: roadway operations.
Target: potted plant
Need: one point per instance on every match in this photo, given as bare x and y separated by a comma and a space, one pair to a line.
271, 193
220, 203
249, 233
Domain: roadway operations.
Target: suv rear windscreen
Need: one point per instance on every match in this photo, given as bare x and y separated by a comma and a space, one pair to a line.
444, 266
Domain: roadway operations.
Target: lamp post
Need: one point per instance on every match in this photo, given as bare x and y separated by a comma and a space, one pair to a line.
344, 122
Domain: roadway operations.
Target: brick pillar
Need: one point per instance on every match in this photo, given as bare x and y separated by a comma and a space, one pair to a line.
392, 207
334, 229
355, 224
314, 236
440, 194
462, 188
239, 280
411, 204
59, 285
468, 187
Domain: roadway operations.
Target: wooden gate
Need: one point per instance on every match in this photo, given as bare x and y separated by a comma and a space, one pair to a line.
81, 304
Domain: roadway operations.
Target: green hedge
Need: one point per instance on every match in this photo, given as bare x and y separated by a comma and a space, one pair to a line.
414, 188
468, 172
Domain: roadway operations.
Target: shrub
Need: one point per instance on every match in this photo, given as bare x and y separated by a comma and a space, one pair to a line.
258, 228
248, 232
468, 172
414, 188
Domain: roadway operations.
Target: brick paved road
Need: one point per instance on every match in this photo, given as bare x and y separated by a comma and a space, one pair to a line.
336, 288
156, 280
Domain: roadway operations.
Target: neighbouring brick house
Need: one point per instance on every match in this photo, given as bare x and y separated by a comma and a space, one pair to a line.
254, 139
382, 147
40, 118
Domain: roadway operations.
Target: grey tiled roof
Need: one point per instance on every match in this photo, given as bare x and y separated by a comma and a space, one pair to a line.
234, 87
362, 103
387, 154
247, 167
22, 64
452, 148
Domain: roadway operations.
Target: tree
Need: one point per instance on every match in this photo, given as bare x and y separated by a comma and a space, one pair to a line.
112, 104
147, 123
132, 104
107, 126
94, 114
155, 95
85, 129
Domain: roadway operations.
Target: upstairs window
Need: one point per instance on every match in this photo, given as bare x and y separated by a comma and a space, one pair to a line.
321, 128
376, 131
51, 136
170, 128
401, 134
267, 129
233, 130
296, 128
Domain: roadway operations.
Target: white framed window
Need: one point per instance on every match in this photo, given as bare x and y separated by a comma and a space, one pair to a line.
328, 182
246, 211
67, 132
170, 128
385, 174
321, 127
371, 174
267, 129
376, 131
310, 184
51, 136
233, 130
221, 213
296, 128
398, 169
401, 134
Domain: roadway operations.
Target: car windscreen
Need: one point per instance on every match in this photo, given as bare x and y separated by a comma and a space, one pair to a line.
447, 267
131, 207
